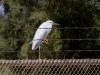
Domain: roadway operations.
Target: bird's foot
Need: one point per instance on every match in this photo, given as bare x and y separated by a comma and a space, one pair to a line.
46, 41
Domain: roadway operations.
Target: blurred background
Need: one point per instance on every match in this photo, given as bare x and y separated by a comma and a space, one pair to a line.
78, 35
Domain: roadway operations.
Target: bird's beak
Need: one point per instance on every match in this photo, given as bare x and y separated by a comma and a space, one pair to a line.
55, 24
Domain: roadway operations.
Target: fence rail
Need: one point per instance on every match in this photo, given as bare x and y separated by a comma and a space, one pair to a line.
50, 67
50, 62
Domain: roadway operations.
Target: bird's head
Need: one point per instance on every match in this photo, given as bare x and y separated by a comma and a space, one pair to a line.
51, 22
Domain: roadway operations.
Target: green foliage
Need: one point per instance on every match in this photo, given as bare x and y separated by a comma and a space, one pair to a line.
24, 16
77, 14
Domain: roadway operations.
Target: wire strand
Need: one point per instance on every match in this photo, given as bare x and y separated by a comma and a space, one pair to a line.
86, 28
65, 39
56, 51
80, 39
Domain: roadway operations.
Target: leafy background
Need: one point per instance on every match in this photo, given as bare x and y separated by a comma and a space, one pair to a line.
24, 16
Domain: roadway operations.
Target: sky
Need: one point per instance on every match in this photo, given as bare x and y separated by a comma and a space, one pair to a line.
2, 10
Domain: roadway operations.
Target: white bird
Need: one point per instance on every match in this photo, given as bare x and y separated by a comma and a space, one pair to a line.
42, 33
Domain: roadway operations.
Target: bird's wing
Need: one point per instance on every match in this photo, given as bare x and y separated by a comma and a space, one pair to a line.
42, 31
37, 35
40, 35
49, 27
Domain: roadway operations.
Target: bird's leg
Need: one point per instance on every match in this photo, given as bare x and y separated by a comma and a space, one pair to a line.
46, 41
39, 52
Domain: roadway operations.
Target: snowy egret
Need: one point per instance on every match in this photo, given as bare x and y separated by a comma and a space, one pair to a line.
42, 33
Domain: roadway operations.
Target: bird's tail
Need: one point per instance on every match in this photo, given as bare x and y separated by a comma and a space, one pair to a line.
30, 42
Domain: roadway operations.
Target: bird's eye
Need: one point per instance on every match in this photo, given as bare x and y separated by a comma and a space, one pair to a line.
50, 22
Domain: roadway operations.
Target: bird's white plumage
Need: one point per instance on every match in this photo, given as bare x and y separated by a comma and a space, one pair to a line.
41, 33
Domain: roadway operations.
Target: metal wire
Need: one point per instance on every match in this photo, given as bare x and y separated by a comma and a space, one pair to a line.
86, 28
55, 51
48, 51
47, 54
50, 67
65, 39
80, 39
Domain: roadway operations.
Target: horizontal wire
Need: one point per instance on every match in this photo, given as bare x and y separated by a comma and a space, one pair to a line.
57, 51
81, 50
73, 39
80, 39
52, 28
84, 39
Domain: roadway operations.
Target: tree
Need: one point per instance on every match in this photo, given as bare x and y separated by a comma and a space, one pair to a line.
75, 13
24, 18
26, 15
